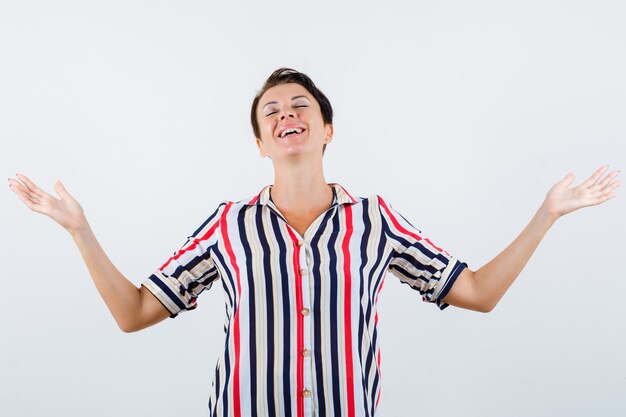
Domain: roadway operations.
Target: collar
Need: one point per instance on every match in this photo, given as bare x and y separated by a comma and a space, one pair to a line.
340, 196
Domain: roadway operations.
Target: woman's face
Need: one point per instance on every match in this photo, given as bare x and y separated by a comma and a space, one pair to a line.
291, 105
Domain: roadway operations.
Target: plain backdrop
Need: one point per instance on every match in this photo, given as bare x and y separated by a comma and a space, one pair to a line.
461, 114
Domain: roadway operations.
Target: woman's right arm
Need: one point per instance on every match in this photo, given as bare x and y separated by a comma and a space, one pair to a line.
132, 308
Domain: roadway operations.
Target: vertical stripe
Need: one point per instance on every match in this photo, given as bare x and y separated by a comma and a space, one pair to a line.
233, 262
251, 303
396, 223
365, 237
317, 273
269, 309
345, 247
222, 391
300, 323
333, 327
284, 275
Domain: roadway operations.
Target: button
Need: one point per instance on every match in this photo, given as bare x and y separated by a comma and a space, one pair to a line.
300, 243
306, 352
302, 271
305, 311
306, 393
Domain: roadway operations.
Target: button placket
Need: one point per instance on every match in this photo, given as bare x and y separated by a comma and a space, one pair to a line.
304, 276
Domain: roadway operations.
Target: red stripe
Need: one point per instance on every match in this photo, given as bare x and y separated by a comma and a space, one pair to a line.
402, 229
231, 256
300, 323
256, 198
206, 236
380, 287
347, 295
395, 221
433, 245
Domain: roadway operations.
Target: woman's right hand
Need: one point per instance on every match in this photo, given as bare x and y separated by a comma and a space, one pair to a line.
65, 211
132, 307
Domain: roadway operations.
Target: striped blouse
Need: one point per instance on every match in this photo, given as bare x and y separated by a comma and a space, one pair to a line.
301, 318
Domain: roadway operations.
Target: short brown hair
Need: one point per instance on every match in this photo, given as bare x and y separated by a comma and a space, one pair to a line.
289, 75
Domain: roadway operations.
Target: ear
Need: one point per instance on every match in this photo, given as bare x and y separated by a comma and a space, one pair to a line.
328, 133
259, 143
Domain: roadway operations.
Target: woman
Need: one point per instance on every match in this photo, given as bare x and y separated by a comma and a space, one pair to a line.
302, 264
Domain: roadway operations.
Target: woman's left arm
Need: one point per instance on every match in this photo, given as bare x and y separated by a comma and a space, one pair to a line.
481, 290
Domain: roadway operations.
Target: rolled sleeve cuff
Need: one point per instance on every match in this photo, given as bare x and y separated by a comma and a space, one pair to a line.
448, 278
167, 293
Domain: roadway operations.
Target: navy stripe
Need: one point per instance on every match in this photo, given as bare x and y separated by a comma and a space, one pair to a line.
219, 209
283, 276
454, 274
417, 264
334, 317
224, 391
269, 314
252, 343
316, 311
406, 274
364, 258
228, 282
216, 383
166, 289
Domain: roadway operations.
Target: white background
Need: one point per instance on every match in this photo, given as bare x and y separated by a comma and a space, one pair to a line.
461, 114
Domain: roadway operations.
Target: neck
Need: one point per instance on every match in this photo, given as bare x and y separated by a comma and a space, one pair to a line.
301, 187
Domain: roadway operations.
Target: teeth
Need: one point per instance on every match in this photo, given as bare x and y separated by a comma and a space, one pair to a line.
290, 130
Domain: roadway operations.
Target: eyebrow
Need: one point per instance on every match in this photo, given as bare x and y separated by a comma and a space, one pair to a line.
275, 102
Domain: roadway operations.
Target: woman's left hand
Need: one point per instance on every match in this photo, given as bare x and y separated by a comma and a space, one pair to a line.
597, 189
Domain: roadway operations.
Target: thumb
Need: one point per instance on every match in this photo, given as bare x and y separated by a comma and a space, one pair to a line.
61, 191
568, 180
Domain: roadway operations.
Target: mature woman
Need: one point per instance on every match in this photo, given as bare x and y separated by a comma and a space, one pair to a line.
301, 264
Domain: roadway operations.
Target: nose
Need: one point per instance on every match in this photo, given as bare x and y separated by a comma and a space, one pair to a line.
286, 113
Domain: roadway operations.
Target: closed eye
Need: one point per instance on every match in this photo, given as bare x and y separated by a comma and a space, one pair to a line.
269, 114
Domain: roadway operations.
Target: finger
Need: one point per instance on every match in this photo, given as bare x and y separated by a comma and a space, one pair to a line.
16, 186
603, 182
604, 198
30, 203
605, 191
610, 187
607, 188
30, 185
608, 179
594, 178
29, 199
19, 189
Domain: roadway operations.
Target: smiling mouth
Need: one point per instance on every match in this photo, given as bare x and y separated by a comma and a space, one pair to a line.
292, 135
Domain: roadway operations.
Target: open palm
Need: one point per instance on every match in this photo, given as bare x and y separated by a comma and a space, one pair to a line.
66, 211
597, 189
